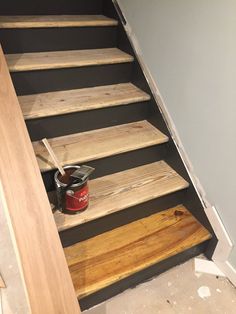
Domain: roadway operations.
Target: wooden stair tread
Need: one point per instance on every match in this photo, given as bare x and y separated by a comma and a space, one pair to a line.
92, 145
37, 21
63, 102
124, 189
107, 258
65, 59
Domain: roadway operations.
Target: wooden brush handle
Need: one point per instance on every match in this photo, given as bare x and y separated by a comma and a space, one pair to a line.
53, 156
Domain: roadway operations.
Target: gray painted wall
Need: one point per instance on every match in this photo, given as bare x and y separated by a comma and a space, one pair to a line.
190, 50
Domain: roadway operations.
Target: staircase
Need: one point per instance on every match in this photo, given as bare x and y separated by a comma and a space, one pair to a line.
79, 84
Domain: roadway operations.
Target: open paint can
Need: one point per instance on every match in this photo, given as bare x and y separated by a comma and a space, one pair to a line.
72, 198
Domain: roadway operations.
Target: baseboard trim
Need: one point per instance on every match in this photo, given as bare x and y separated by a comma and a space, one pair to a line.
229, 271
224, 246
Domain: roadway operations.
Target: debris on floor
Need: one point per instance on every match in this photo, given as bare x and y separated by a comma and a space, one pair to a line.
204, 292
203, 265
177, 291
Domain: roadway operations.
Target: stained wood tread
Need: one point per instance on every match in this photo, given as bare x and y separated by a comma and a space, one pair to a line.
38, 21
91, 145
65, 59
63, 102
124, 189
107, 258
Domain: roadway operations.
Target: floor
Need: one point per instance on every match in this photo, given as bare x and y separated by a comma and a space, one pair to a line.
178, 291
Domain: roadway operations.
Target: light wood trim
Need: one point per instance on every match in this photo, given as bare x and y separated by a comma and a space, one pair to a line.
76, 100
65, 59
107, 258
47, 280
100, 143
37, 21
121, 190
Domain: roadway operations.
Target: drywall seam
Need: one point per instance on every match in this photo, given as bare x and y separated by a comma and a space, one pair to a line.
224, 245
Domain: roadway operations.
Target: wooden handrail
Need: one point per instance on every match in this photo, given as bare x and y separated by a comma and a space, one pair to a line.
44, 269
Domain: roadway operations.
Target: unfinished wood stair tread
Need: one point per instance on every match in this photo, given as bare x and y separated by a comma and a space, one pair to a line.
92, 145
65, 59
63, 102
107, 258
37, 21
124, 189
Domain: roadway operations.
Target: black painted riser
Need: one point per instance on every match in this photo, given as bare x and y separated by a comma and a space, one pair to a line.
48, 7
42, 81
120, 218
55, 39
86, 120
116, 163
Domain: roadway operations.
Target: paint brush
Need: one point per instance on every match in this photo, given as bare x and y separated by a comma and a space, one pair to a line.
53, 156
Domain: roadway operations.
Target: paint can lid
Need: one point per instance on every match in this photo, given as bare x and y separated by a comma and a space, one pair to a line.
82, 173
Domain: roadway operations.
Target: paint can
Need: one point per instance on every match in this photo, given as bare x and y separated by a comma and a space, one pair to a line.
73, 198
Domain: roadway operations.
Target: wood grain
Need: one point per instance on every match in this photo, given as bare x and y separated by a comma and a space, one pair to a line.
53, 157
65, 59
2, 283
107, 258
37, 21
92, 145
63, 102
24, 199
124, 189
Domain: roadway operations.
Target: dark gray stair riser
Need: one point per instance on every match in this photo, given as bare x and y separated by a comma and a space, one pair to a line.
58, 38
116, 163
120, 218
43, 7
42, 81
87, 120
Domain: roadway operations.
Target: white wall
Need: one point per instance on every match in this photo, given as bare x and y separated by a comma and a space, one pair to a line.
190, 49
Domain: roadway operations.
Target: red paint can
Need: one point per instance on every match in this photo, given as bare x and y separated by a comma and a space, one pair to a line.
72, 199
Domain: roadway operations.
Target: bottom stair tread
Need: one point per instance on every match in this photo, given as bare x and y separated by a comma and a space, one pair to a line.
107, 258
